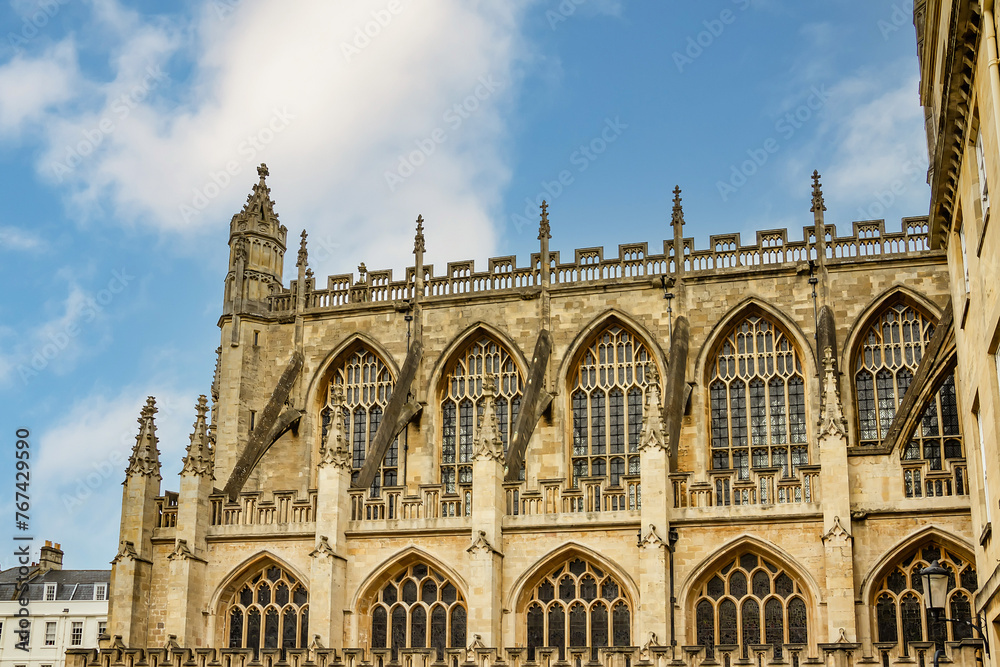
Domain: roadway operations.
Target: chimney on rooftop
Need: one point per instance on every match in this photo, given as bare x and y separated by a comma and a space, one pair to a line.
51, 557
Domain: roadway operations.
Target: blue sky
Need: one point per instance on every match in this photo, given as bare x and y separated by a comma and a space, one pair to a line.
130, 132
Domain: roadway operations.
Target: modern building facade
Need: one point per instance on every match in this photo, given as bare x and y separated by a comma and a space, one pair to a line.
740, 453
65, 609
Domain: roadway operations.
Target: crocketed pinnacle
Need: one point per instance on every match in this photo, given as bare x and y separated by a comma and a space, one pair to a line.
418, 239
200, 458
817, 198
303, 251
145, 458
544, 231
677, 217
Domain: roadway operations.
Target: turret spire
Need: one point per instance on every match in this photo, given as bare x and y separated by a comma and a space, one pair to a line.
677, 217
418, 238
544, 231
303, 251
145, 458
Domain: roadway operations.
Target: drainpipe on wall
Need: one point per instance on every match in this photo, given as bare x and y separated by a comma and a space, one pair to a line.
994, 62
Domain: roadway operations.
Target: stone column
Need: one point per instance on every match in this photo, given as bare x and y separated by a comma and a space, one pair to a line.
187, 595
488, 502
654, 566
835, 484
328, 573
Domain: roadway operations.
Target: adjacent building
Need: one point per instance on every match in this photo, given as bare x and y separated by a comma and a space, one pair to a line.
960, 91
66, 609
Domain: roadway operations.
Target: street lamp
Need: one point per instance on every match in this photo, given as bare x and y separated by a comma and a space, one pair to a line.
935, 587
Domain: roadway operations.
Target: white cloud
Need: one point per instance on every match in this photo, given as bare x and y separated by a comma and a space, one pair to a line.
331, 96
14, 238
80, 463
32, 86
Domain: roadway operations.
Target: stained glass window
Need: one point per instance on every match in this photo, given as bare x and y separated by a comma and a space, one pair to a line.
563, 602
260, 614
461, 408
749, 600
757, 401
367, 386
419, 600
899, 607
606, 400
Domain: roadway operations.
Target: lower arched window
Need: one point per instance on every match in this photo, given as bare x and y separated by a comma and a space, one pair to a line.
418, 608
748, 601
578, 605
899, 608
270, 610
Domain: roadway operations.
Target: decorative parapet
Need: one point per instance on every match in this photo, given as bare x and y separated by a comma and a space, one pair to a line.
960, 653
634, 262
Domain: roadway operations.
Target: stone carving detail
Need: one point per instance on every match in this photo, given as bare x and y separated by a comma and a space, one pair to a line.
323, 548
334, 450
145, 458
489, 444
832, 422
654, 430
183, 552
652, 540
817, 196
126, 551
544, 230
303, 259
481, 544
200, 458
418, 239
837, 532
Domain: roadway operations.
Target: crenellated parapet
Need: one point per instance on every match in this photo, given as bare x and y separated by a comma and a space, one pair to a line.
771, 249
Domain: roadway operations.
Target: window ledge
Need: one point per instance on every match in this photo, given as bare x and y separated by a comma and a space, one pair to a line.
985, 535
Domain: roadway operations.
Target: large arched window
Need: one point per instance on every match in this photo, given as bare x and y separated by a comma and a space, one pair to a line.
757, 400
887, 357
418, 608
606, 395
270, 610
898, 599
577, 605
462, 405
367, 386
747, 601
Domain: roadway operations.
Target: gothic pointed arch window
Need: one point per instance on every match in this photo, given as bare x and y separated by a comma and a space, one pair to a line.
606, 399
886, 360
418, 607
750, 600
899, 613
269, 610
462, 405
577, 604
367, 386
757, 404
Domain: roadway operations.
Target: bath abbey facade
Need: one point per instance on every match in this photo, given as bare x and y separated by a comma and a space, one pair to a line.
740, 453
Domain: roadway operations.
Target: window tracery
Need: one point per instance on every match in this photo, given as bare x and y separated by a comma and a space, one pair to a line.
462, 406
270, 610
888, 357
757, 402
418, 608
606, 401
577, 605
899, 607
747, 601
367, 386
